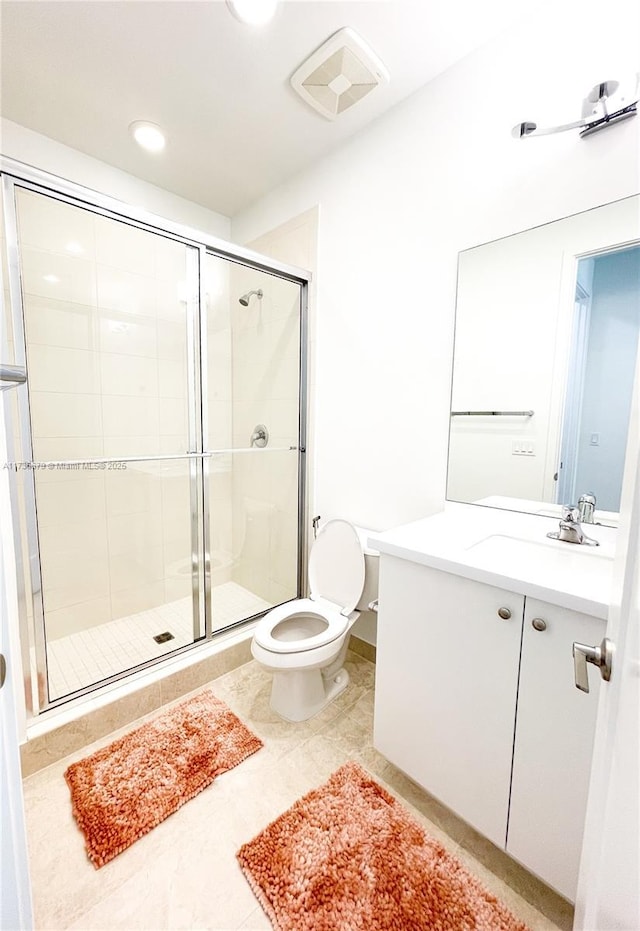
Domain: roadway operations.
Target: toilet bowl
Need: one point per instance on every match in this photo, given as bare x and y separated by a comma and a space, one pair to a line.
304, 642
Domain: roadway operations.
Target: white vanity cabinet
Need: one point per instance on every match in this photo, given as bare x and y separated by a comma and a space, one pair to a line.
476, 701
446, 682
555, 728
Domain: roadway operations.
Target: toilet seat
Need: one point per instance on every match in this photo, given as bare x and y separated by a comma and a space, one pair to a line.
329, 613
336, 578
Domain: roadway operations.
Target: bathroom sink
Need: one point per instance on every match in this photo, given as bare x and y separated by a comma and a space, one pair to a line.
545, 558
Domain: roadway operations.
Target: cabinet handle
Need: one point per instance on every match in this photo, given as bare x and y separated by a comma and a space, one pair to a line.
504, 613
538, 624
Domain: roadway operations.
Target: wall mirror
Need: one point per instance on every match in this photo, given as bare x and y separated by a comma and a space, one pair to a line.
547, 325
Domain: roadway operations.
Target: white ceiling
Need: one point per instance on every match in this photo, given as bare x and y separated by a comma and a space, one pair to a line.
81, 71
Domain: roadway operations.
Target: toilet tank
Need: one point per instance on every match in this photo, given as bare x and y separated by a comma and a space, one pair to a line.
371, 571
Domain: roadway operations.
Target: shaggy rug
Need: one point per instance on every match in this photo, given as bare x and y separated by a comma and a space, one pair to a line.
121, 792
347, 856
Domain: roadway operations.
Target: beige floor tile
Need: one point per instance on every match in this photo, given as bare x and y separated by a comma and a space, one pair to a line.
257, 921
184, 873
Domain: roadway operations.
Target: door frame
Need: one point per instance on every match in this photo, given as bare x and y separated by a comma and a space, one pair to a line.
611, 839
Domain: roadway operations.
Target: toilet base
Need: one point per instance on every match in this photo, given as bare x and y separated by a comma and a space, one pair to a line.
297, 695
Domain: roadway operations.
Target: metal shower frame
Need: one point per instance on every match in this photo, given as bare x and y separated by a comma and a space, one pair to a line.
199, 244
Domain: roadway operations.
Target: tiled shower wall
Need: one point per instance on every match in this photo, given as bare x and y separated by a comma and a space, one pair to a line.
106, 352
105, 307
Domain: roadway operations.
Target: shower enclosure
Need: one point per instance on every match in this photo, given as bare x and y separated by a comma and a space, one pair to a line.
158, 440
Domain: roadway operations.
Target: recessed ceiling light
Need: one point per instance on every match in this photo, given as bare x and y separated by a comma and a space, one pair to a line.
253, 12
51, 279
148, 135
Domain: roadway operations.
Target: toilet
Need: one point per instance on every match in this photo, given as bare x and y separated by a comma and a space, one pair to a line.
304, 642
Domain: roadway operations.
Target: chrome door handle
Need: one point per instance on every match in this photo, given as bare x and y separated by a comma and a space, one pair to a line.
600, 656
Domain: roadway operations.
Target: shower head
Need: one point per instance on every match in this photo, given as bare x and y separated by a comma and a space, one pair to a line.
244, 300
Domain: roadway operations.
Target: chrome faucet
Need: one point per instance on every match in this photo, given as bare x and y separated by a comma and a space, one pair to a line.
570, 530
586, 507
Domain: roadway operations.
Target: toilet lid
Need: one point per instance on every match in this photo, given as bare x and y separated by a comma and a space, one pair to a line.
336, 565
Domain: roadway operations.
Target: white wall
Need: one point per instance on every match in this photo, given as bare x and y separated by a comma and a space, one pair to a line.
437, 174
42, 152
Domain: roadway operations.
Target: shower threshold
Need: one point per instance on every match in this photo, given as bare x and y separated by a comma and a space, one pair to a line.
86, 657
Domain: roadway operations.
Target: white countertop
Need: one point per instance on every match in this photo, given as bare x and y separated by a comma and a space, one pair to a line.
511, 551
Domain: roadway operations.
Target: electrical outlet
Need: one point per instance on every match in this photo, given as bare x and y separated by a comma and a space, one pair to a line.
523, 448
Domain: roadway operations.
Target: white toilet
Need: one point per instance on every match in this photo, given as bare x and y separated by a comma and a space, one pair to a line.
304, 642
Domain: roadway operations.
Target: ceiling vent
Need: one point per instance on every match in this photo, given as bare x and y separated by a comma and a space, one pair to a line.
338, 74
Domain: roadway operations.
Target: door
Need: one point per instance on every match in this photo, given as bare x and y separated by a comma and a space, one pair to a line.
15, 890
552, 751
105, 319
251, 421
447, 674
608, 887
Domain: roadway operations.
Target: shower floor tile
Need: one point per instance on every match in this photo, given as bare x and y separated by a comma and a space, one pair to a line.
184, 873
84, 658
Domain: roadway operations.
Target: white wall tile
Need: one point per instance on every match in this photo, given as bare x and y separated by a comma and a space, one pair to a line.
219, 415
67, 582
125, 247
55, 323
173, 444
175, 588
134, 534
173, 418
73, 501
132, 490
131, 376
68, 448
125, 292
139, 598
54, 368
65, 415
175, 485
48, 224
132, 417
75, 617
136, 568
59, 277
172, 378
170, 300
170, 259
133, 445
128, 335
172, 339
67, 539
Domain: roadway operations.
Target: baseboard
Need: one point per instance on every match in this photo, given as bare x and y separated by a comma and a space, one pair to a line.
363, 648
44, 749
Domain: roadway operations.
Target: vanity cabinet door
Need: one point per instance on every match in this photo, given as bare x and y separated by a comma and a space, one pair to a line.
554, 739
446, 681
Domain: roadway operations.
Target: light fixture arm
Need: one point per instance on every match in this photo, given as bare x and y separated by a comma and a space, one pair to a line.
596, 113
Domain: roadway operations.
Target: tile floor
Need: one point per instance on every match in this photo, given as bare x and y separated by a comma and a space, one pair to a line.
90, 655
184, 873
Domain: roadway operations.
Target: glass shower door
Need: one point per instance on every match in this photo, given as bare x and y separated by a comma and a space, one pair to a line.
252, 422
110, 335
